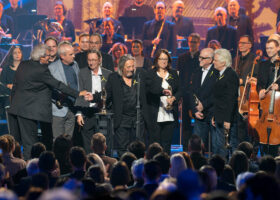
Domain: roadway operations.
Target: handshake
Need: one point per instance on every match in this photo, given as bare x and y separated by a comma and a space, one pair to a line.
88, 96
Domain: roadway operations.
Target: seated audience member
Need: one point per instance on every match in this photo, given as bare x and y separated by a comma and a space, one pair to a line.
128, 158
228, 175
61, 148
178, 165
34, 193
118, 50
248, 149
137, 169
96, 173
58, 193
98, 146
137, 53
195, 147
242, 178
164, 160
37, 149
138, 148
84, 42
188, 160
109, 36
95, 159
267, 164
12, 164
211, 180
153, 150
7, 194
78, 161
120, 176
17, 152
32, 167
239, 162
151, 174
214, 44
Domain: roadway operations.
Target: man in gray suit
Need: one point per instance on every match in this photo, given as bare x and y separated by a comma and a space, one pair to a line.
66, 70
93, 78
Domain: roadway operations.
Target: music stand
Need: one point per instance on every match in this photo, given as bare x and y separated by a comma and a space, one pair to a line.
133, 25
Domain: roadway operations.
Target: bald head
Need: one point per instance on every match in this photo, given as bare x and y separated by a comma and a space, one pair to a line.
233, 8
177, 9
206, 57
220, 16
107, 9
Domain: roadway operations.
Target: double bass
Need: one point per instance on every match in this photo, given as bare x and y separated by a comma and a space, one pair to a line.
268, 125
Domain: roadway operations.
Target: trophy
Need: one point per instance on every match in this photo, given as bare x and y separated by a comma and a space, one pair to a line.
169, 107
103, 99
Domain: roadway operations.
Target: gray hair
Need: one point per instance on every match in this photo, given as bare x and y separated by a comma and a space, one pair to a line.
38, 52
137, 168
32, 166
61, 47
210, 51
224, 56
122, 62
220, 8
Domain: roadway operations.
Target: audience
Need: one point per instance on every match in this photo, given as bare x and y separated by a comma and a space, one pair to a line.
178, 165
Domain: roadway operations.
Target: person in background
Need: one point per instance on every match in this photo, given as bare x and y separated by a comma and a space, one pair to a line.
137, 52
139, 9
118, 50
52, 43
84, 42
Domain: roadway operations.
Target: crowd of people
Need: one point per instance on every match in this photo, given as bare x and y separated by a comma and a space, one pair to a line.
54, 98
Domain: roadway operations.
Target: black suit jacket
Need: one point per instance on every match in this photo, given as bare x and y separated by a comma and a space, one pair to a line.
227, 37
225, 96
155, 92
244, 26
184, 25
203, 92
114, 98
85, 82
31, 93
168, 36
107, 60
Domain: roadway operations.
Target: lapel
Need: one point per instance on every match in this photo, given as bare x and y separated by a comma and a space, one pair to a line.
210, 73
89, 80
76, 69
61, 72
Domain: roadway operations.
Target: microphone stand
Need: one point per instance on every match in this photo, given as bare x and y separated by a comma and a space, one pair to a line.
138, 107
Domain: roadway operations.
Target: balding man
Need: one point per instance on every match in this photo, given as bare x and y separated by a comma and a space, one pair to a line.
66, 70
222, 32
183, 25
108, 13
201, 93
238, 20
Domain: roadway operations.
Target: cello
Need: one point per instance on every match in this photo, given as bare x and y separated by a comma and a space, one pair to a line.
268, 125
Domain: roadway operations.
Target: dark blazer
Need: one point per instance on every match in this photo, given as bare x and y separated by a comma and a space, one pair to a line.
203, 92
266, 75
184, 25
227, 37
155, 92
107, 60
31, 93
244, 26
114, 98
168, 36
225, 96
85, 81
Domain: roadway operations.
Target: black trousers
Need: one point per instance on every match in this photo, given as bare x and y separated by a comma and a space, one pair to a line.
25, 131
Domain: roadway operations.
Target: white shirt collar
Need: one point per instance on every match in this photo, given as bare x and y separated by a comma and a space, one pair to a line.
206, 69
99, 73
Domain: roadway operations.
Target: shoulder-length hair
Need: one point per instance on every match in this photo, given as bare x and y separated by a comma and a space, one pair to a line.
11, 58
164, 51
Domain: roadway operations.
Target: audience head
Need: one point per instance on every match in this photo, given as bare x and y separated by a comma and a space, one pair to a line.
220, 16
7, 144
267, 164
247, 148
96, 160
239, 162
137, 148
96, 173
178, 165
58, 193
195, 144
218, 163
94, 60
120, 175
222, 59
7, 194
46, 162
177, 9
159, 10
128, 158
137, 169
163, 60
152, 150
98, 143
84, 41
228, 175
95, 41
211, 177
40, 180
126, 66
194, 42
214, 44
32, 167
188, 160
242, 178
37, 149
164, 161
78, 157
152, 171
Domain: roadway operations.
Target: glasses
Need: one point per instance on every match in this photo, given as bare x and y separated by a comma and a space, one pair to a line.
203, 58
219, 14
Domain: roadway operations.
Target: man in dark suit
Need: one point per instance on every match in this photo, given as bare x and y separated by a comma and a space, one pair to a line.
201, 94
92, 78
187, 64
95, 42
167, 39
122, 88
184, 25
222, 32
31, 100
225, 108
238, 20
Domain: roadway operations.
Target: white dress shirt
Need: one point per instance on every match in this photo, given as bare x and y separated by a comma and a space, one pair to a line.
204, 73
96, 84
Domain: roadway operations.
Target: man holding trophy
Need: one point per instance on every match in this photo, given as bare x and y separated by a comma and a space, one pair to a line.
94, 78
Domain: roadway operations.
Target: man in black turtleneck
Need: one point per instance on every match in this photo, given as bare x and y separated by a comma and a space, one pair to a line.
222, 32
167, 39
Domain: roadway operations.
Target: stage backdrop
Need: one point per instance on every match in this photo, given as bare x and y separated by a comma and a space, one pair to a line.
262, 12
